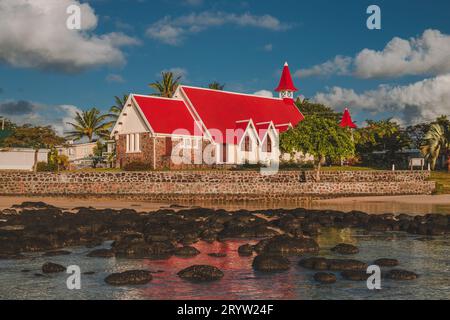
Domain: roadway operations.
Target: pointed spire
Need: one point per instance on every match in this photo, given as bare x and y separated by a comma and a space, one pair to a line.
347, 121
286, 83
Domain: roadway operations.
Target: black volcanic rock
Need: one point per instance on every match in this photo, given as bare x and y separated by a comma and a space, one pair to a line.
386, 262
355, 275
400, 274
131, 277
186, 251
270, 263
101, 253
245, 250
344, 248
201, 273
50, 267
325, 277
287, 245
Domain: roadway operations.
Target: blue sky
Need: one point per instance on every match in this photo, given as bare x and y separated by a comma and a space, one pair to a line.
240, 43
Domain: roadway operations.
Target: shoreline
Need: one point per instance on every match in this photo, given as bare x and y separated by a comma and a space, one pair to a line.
413, 204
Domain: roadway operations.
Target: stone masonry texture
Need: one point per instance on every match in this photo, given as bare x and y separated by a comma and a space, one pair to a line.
216, 184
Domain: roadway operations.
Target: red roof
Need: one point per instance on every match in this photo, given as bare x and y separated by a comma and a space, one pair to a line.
286, 83
167, 116
221, 110
346, 121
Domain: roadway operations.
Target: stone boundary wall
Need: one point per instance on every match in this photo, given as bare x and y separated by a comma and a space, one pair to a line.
216, 185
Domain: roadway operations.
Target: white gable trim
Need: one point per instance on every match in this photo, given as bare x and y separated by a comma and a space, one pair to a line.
246, 131
122, 117
194, 114
271, 128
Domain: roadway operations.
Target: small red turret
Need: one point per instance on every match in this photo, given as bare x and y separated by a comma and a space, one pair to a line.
347, 121
286, 87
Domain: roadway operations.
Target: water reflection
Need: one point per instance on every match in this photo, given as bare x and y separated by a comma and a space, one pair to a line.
430, 259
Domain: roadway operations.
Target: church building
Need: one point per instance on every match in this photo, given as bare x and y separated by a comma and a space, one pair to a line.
201, 127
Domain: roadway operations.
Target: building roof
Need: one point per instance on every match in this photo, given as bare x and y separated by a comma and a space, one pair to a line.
221, 110
346, 121
286, 83
167, 116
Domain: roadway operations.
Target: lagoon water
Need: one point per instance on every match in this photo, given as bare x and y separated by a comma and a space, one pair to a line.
430, 259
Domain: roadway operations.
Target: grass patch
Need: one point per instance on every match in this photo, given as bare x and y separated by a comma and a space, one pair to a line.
348, 168
442, 179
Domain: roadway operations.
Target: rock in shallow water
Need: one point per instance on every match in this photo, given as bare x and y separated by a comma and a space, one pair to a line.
325, 277
217, 255
271, 263
400, 274
131, 277
319, 263
355, 275
201, 273
386, 262
50, 267
186, 251
315, 263
245, 250
344, 248
56, 253
287, 245
101, 253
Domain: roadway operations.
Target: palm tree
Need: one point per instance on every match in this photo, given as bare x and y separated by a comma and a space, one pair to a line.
437, 142
116, 109
216, 86
89, 124
167, 87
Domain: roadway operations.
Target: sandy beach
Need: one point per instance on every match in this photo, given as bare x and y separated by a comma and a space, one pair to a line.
412, 204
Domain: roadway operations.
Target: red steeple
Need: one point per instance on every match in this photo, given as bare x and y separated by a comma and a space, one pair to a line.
346, 121
286, 83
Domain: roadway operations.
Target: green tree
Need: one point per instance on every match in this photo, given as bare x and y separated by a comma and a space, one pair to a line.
36, 137
383, 135
89, 124
437, 142
321, 137
167, 86
56, 160
97, 156
216, 86
6, 129
416, 134
308, 108
117, 108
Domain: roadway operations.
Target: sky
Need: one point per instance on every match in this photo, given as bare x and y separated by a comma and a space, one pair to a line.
48, 71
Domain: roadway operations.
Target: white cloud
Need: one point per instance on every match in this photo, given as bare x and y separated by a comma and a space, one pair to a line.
421, 101
339, 65
264, 93
115, 78
173, 31
34, 34
22, 112
428, 54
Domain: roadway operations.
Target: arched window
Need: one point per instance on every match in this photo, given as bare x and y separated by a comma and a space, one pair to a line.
268, 144
247, 145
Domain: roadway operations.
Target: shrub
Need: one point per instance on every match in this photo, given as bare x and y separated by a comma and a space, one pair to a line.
137, 166
46, 167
